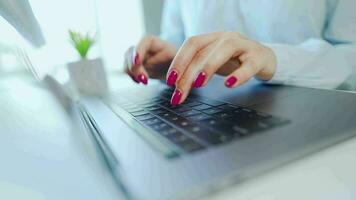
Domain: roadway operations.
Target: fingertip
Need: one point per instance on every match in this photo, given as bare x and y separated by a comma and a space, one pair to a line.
176, 97
142, 79
199, 80
172, 78
231, 81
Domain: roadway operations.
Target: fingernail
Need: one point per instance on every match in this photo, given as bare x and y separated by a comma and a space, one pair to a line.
142, 78
177, 95
172, 77
199, 80
135, 79
136, 60
231, 81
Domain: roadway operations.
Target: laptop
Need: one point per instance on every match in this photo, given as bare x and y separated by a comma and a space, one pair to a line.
216, 138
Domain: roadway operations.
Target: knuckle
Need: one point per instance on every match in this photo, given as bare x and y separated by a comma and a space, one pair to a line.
177, 62
199, 57
252, 64
229, 39
259, 50
192, 41
209, 66
183, 82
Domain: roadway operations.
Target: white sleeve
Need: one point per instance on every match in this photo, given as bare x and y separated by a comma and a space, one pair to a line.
322, 63
172, 29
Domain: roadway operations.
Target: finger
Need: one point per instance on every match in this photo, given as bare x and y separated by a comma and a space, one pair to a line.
222, 52
186, 54
249, 68
137, 73
193, 71
131, 76
140, 74
206, 62
158, 58
149, 44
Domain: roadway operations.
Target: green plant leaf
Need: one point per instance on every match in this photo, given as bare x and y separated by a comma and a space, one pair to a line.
82, 43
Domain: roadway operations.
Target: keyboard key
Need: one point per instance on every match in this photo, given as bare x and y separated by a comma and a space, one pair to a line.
228, 107
169, 132
151, 121
210, 122
225, 129
211, 102
158, 111
211, 111
184, 123
193, 129
190, 113
191, 104
223, 114
247, 110
148, 105
199, 117
166, 114
180, 109
219, 126
208, 136
160, 126
201, 107
166, 104
152, 107
144, 117
138, 113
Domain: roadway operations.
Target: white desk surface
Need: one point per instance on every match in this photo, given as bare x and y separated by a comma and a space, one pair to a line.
46, 155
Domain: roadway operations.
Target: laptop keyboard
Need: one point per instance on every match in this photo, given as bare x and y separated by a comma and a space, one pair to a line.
198, 123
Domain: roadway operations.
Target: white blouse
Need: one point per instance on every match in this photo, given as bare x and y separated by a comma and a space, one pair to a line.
314, 40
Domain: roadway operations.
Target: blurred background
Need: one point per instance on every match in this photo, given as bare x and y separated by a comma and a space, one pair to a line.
117, 24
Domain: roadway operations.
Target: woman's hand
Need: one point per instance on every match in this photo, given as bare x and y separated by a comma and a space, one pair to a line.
150, 58
224, 53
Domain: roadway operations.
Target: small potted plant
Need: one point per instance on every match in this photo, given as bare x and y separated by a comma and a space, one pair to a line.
87, 75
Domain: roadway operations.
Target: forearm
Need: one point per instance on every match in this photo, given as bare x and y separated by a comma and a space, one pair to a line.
314, 63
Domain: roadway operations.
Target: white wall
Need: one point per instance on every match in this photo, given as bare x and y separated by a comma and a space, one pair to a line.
120, 22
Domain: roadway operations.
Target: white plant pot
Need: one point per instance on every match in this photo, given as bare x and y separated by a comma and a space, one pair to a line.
88, 77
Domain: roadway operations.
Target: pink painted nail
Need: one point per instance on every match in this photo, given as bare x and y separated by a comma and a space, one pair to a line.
172, 78
135, 79
199, 80
177, 95
231, 81
136, 60
142, 78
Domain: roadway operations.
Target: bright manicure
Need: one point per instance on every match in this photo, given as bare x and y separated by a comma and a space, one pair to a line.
177, 95
136, 60
199, 81
172, 78
142, 78
231, 81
